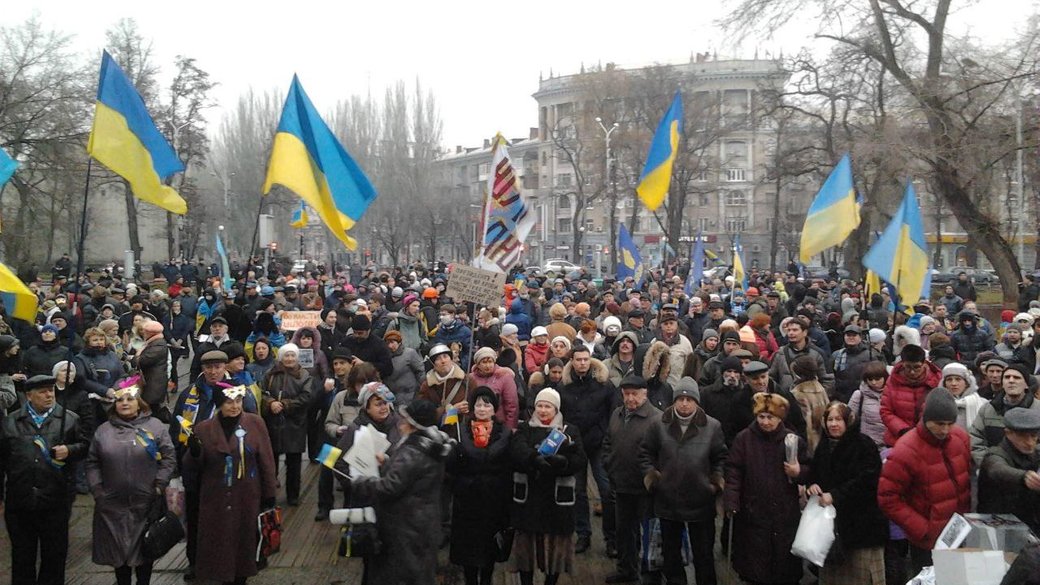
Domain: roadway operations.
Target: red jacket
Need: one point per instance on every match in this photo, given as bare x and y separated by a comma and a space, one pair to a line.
767, 345
924, 482
902, 403
535, 357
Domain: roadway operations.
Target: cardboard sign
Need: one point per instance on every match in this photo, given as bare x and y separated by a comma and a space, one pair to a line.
306, 358
295, 320
474, 285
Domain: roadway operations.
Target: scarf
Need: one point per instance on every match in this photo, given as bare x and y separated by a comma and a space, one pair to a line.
684, 421
38, 418
481, 433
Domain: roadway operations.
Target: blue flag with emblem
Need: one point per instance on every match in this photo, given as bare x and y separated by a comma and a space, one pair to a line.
630, 263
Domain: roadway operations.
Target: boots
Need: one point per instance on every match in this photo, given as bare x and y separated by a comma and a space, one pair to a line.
551, 578
526, 578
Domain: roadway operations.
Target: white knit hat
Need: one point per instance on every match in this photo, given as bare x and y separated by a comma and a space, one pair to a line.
876, 335
287, 349
549, 395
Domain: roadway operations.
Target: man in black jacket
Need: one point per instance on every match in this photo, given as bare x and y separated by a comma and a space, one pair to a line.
37, 442
368, 348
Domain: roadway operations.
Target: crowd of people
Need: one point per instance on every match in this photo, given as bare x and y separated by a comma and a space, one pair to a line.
684, 420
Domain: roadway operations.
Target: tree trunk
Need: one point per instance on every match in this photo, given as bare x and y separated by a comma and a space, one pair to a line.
774, 234
171, 240
1036, 226
131, 221
612, 245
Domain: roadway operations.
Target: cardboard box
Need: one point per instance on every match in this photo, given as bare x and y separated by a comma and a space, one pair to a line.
969, 566
1003, 532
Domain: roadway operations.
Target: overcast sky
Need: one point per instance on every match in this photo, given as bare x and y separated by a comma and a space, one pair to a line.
481, 59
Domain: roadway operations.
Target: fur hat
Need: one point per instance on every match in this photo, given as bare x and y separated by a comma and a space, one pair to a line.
774, 404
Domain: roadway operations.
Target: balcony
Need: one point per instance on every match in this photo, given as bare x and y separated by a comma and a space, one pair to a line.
737, 175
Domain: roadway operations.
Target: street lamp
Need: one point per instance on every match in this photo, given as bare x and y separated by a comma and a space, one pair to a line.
607, 182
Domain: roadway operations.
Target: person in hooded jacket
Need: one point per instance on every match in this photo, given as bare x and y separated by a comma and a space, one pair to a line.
287, 397
480, 482
453, 331
902, 402
622, 357
844, 473
406, 497
656, 370
866, 402
958, 379
969, 339
517, 316
705, 350
40, 359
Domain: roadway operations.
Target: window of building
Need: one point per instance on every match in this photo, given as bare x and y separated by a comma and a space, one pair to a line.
564, 202
701, 176
483, 170
564, 180
736, 198
705, 201
589, 225
703, 224
563, 225
736, 153
736, 225
736, 175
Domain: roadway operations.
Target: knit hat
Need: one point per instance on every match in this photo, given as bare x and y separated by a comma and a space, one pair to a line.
940, 406
408, 299
510, 329
562, 339
539, 331
392, 336
1024, 318
286, 349
1007, 315
374, 389
484, 353
877, 335
548, 395
610, 322
730, 336
730, 363
957, 369
926, 320
686, 386
774, 404
709, 333
49, 327
360, 323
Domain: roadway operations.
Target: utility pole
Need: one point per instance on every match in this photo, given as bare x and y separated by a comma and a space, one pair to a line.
607, 182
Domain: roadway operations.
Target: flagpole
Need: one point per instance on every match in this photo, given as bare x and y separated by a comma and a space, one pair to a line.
73, 324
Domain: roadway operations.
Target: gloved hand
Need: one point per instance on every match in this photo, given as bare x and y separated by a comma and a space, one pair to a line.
650, 479
558, 463
194, 445
542, 464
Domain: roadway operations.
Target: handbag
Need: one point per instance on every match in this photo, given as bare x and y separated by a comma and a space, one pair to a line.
359, 540
164, 530
504, 544
269, 528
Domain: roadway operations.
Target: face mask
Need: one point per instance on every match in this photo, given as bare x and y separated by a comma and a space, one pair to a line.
446, 319
525, 296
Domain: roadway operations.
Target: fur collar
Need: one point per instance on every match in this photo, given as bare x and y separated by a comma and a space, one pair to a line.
597, 369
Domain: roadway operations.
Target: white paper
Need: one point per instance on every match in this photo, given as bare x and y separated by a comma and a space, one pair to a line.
306, 358
953, 535
362, 455
352, 516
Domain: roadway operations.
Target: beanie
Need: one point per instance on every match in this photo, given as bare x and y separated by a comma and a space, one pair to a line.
287, 349
483, 353
686, 386
709, 333
549, 395
731, 363
876, 335
940, 406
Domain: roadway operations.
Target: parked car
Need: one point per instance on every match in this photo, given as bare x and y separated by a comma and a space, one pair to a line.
978, 275
560, 266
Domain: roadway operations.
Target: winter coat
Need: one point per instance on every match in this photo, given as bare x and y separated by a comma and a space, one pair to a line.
902, 401
288, 429
152, 363
522, 320
623, 444
40, 359
679, 349
988, 429
587, 401
535, 357
372, 350
766, 505
1002, 488
321, 368
487, 334
969, 345
847, 364
686, 469
924, 482
456, 387
408, 374
413, 334
227, 513
258, 369
848, 469
942, 356
103, 366
481, 479
539, 512
725, 404
866, 407
123, 477
780, 367
388, 427
342, 413
455, 332
503, 382
32, 483
614, 366
558, 328
407, 501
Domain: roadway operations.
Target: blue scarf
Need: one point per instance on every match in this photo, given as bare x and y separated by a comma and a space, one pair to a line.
36, 417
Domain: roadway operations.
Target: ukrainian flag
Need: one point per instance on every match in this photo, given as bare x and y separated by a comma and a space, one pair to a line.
299, 217
900, 256
307, 159
451, 416
19, 301
225, 270
124, 139
740, 277
630, 263
833, 215
329, 455
7, 167
657, 174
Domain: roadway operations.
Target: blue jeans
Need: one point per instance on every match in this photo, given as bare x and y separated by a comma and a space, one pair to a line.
582, 524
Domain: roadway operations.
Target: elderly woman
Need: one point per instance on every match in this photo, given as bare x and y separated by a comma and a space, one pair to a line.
761, 495
560, 348
544, 492
287, 396
408, 368
480, 481
501, 380
844, 473
231, 455
129, 464
153, 361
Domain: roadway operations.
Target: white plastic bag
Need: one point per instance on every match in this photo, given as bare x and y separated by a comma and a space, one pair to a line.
815, 532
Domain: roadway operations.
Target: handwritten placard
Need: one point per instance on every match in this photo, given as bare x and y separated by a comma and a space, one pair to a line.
474, 285
295, 320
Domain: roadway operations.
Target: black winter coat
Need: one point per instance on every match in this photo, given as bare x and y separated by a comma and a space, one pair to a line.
480, 483
849, 470
587, 401
31, 482
407, 500
1002, 488
721, 403
372, 350
623, 444
40, 359
288, 429
539, 513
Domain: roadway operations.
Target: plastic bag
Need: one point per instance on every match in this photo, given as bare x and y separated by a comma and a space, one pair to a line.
815, 532
175, 497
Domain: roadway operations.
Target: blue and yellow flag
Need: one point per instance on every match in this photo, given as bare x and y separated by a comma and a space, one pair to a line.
740, 277
225, 270
657, 174
308, 160
7, 168
451, 416
900, 256
20, 302
630, 263
124, 139
833, 215
693, 279
871, 285
713, 257
299, 217
329, 455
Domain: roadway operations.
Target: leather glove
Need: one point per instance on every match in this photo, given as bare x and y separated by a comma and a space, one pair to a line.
542, 464
194, 445
557, 462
